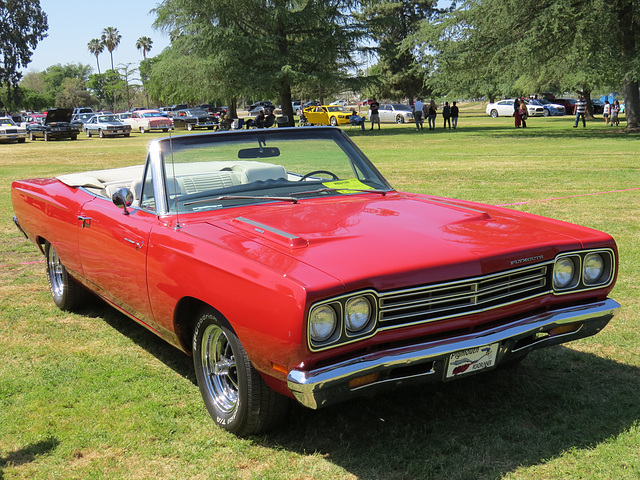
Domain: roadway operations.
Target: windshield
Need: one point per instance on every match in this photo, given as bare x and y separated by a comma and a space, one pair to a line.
151, 114
212, 171
107, 118
337, 108
7, 121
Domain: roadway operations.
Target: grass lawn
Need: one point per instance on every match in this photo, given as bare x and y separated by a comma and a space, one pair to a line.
95, 396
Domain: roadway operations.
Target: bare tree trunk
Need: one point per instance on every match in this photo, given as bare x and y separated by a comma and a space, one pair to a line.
629, 85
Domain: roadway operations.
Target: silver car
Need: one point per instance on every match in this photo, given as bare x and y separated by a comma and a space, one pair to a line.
108, 125
395, 113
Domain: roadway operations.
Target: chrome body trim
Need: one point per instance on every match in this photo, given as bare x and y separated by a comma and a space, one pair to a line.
426, 362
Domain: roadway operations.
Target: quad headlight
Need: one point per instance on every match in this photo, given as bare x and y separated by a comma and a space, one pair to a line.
341, 320
583, 270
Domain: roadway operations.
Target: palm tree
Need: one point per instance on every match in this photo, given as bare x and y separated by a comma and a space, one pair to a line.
111, 39
144, 44
96, 47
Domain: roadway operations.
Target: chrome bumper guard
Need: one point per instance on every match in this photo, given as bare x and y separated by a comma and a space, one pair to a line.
427, 362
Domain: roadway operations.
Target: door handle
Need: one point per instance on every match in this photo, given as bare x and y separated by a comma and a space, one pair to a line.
138, 245
85, 222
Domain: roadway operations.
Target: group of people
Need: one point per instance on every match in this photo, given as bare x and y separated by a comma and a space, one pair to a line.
264, 119
421, 110
520, 112
611, 112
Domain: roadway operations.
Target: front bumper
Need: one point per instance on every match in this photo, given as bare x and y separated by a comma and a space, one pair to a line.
427, 362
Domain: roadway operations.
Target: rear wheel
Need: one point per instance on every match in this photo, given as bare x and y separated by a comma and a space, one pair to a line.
233, 391
32, 137
399, 119
142, 130
546, 112
189, 126
67, 294
46, 137
86, 130
494, 113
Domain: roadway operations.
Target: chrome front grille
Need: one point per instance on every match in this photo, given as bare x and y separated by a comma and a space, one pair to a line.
464, 297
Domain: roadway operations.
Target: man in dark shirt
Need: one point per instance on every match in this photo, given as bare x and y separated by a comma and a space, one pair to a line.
454, 115
375, 117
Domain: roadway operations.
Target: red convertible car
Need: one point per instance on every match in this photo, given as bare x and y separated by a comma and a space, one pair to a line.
288, 267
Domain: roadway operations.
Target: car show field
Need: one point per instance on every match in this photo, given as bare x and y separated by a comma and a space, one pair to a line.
93, 395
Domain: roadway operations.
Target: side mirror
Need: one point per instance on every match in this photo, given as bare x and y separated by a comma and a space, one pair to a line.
122, 198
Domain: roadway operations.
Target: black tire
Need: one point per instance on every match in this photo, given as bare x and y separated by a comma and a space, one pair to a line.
127, 135
46, 137
100, 133
142, 130
399, 119
32, 137
67, 294
546, 112
333, 121
189, 126
87, 132
494, 113
233, 391
22, 140
74, 137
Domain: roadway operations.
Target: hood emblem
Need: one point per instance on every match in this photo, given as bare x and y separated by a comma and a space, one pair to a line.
527, 259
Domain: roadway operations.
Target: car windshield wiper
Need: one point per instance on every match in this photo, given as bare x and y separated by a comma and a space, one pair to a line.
243, 197
325, 190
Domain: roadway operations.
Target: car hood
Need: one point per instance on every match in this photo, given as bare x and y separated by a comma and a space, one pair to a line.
59, 115
396, 240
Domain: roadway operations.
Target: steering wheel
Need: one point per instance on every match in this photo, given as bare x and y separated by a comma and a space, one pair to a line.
315, 172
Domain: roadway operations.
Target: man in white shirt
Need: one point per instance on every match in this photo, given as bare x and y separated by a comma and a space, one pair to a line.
417, 113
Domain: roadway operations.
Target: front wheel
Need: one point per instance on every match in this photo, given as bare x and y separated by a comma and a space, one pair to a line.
233, 391
333, 121
189, 126
399, 119
494, 113
100, 133
32, 137
546, 112
67, 294
86, 130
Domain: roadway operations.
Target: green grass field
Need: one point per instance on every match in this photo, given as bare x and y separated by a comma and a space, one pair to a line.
95, 396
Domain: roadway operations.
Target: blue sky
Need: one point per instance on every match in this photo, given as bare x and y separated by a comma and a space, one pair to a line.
73, 24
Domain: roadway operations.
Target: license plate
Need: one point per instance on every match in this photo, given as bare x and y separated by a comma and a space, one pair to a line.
471, 360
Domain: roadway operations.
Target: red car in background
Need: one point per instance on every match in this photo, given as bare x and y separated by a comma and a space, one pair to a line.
286, 265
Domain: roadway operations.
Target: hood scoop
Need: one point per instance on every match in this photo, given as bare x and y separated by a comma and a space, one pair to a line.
265, 231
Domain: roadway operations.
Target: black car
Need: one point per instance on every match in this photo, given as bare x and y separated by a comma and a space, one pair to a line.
56, 125
598, 106
262, 103
193, 118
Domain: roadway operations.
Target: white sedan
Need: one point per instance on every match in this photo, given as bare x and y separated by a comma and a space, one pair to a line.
394, 113
10, 131
504, 108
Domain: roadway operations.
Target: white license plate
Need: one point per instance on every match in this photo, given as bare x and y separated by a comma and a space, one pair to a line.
471, 360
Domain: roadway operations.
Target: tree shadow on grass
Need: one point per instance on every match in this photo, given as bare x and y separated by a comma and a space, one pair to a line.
499, 130
480, 427
27, 454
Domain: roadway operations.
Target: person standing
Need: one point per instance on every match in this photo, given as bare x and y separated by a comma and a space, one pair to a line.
581, 108
418, 107
375, 116
516, 112
455, 111
524, 113
446, 114
433, 112
606, 111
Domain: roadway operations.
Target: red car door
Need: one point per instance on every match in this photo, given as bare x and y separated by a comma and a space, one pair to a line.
113, 248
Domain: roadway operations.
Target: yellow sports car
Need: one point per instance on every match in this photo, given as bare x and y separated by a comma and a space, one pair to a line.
327, 115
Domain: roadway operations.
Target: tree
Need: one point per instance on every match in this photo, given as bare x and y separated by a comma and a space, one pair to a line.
22, 25
106, 86
96, 47
561, 44
111, 39
391, 23
73, 94
266, 45
144, 44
